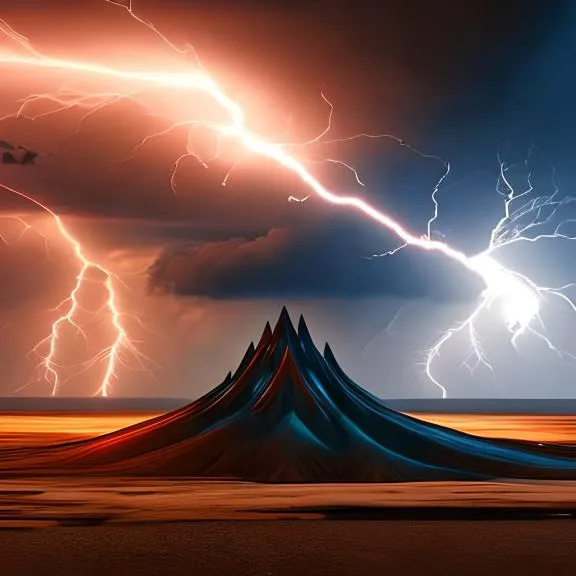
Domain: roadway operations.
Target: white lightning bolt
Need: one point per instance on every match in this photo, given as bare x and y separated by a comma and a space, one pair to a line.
519, 298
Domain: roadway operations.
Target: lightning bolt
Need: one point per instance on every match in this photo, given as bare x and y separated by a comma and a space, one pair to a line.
517, 295
112, 356
25, 228
520, 298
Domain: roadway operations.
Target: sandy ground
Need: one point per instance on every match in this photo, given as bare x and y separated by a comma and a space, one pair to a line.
59, 501
282, 548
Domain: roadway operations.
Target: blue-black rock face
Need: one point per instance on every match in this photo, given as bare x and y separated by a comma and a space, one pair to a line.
290, 414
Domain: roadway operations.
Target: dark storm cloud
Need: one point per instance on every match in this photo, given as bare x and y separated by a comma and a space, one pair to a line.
306, 263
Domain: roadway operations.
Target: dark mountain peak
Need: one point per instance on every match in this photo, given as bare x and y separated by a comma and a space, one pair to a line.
303, 331
284, 329
329, 355
332, 363
266, 336
246, 359
284, 317
312, 353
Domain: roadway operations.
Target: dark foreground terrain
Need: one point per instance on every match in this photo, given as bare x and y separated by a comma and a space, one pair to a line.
250, 548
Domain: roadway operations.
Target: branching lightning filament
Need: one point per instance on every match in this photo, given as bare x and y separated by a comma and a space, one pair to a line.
517, 296
47, 349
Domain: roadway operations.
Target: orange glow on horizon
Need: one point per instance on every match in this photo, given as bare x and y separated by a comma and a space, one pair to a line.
38, 429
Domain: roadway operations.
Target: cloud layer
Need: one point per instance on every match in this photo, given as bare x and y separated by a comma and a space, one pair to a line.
321, 262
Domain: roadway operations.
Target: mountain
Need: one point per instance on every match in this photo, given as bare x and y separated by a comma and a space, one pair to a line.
290, 414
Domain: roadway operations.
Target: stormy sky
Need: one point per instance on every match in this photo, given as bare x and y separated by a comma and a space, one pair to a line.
203, 268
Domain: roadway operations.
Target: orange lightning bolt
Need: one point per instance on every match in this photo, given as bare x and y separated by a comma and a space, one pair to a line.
22, 222
110, 355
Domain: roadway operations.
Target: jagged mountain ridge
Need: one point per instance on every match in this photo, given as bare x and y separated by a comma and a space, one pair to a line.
289, 413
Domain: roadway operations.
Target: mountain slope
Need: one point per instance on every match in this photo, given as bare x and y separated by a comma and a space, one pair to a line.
290, 414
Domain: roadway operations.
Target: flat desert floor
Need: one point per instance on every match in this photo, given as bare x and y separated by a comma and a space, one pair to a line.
37, 503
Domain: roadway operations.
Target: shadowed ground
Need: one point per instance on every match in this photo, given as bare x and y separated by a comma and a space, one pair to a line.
287, 548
